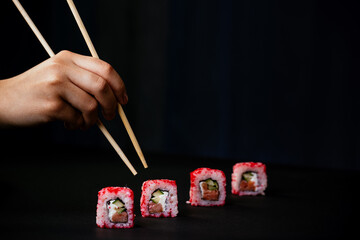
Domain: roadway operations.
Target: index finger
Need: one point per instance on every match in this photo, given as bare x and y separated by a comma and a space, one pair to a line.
106, 71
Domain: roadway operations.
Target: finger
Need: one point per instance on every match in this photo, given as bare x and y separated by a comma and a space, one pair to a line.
70, 116
106, 71
82, 101
96, 86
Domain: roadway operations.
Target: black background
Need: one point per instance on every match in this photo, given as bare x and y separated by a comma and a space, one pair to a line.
275, 81
54, 196
210, 83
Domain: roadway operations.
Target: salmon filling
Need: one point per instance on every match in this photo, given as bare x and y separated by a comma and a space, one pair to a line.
117, 211
155, 208
247, 186
119, 217
209, 190
249, 181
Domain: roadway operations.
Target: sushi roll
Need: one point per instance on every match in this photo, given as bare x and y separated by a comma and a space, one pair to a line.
207, 187
115, 208
159, 198
248, 178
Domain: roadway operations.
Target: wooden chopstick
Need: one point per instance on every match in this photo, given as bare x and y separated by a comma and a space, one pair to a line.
116, 146
51, 54
34, 28
94, 54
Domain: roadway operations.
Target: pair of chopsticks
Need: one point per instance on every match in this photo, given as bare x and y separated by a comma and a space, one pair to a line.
94, 54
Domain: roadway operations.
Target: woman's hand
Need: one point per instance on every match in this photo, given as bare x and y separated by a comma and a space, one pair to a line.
68, 87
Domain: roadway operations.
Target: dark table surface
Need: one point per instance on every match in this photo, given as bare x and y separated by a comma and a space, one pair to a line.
53, 195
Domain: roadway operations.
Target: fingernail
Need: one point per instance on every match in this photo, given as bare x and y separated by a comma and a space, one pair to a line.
125, 98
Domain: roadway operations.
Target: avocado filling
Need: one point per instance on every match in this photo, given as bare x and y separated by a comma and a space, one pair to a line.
249, 181
117, 211
209, 190
157, 201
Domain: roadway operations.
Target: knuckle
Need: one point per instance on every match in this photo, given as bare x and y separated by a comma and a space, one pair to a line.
91, 106
64, 53
55, 106
53, 109
107, 69
54, 64
100, 85
54, 81
55, 72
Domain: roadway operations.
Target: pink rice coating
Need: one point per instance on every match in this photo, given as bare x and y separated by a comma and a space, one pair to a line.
201, 174
149, 187
109, 193
239, 169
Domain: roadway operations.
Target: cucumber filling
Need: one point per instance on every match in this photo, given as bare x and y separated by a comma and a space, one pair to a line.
157, 203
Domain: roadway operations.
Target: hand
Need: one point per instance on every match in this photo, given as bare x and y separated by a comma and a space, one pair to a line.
67, 87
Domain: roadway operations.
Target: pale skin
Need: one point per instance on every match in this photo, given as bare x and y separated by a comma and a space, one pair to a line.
67, 87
